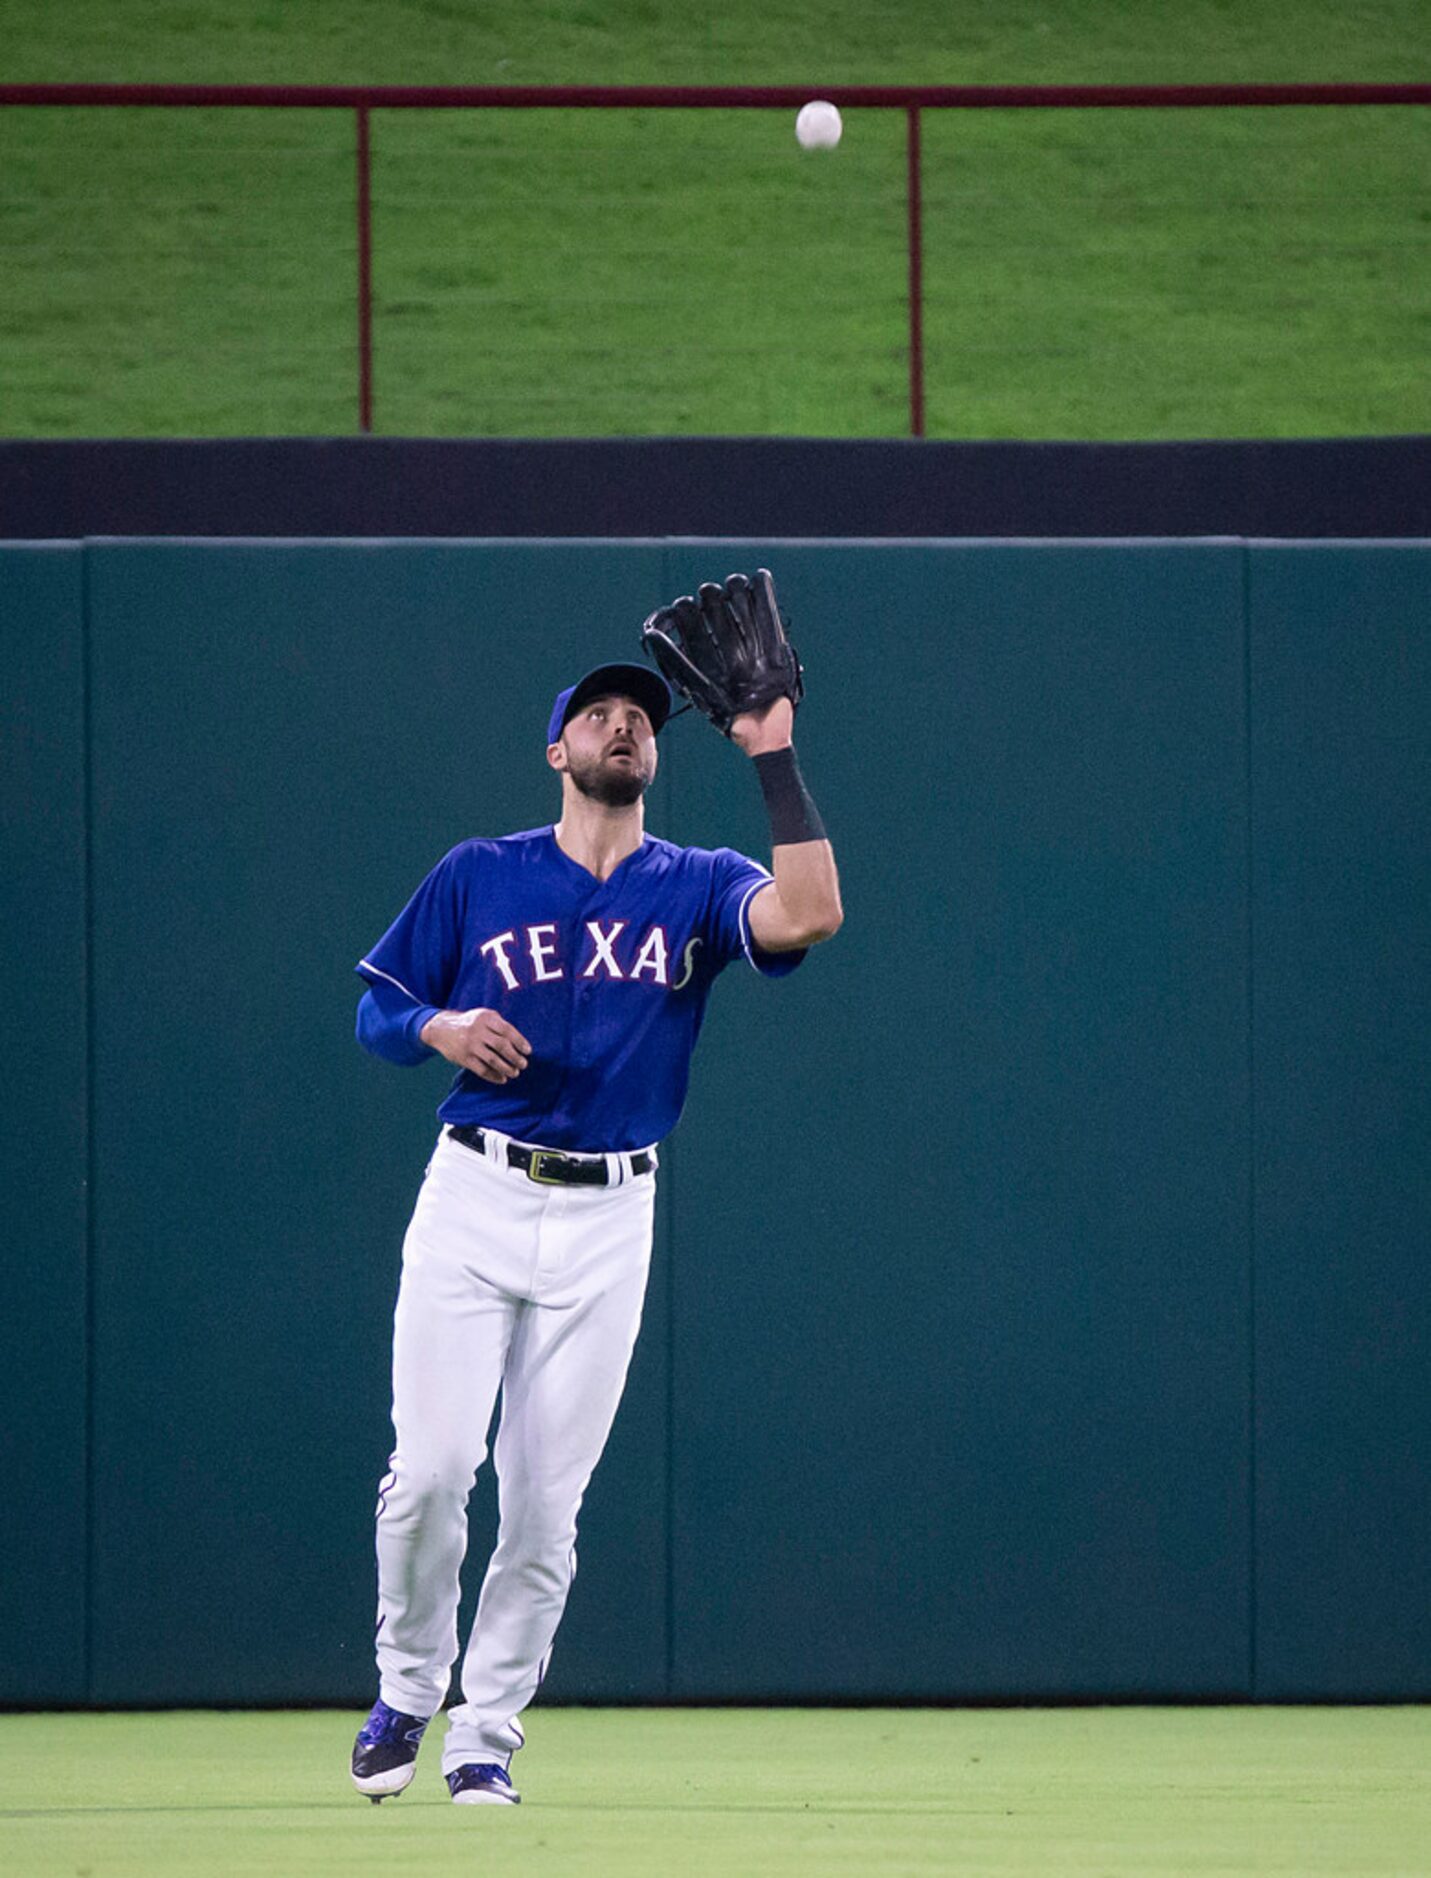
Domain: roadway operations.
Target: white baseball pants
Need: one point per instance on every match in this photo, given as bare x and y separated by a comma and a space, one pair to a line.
536, 1289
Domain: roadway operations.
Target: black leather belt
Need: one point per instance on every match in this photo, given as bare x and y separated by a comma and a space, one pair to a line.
547, 1165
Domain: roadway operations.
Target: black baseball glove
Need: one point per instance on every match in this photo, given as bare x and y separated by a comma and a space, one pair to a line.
726, 649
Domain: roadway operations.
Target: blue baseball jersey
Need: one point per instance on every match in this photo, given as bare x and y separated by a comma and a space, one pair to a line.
606, 979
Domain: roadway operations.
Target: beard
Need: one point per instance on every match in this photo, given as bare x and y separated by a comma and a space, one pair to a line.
615, 786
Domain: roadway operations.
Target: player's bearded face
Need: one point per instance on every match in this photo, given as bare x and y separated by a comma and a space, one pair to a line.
609, 761
616, 780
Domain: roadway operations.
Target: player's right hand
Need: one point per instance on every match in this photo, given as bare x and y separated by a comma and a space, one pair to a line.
480, 1041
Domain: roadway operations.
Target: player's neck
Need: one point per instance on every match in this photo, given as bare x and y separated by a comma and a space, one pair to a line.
596, 837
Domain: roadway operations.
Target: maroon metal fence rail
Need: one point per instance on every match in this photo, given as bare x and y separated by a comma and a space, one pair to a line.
916, 273
365, 273
911, 99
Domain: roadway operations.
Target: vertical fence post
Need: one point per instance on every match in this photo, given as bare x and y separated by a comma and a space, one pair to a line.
916, 281
365, 275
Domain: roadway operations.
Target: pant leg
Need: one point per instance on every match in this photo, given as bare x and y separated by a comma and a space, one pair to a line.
566, 1370
452, 1330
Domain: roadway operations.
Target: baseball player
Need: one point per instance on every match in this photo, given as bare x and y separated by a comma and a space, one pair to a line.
564, 972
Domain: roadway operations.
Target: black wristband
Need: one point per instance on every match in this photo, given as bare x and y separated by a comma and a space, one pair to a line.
793, 816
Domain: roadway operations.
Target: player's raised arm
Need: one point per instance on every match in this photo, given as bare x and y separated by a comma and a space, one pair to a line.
725, 648
802, 905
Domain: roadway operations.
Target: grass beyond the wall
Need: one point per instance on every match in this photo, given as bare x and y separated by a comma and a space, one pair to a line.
1091, 274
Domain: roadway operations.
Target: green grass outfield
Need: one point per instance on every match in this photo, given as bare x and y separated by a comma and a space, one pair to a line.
1141, 1792
1091, 274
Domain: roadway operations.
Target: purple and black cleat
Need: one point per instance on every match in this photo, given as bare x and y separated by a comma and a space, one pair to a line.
471, 1785
385, 1752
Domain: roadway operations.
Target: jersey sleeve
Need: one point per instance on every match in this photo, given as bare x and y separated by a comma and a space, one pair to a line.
389, 1024
421, 952
737, 879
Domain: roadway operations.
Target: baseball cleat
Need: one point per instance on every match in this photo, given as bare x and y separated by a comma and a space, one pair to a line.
471, 1785
385, 1752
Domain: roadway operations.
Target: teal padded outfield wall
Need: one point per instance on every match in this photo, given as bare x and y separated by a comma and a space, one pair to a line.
1040, 1307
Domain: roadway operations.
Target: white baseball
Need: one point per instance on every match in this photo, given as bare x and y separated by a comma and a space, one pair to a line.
818, 126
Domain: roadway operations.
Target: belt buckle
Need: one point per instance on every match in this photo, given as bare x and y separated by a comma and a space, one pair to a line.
534, 1167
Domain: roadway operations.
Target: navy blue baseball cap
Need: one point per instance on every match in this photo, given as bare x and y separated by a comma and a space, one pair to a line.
648, 688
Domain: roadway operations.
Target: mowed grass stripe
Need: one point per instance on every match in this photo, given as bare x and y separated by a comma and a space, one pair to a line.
1167, 274
655, 271
549, 42
1125, 1792
176, 272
